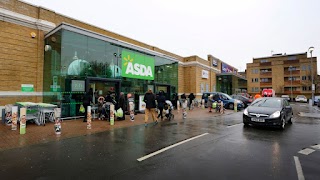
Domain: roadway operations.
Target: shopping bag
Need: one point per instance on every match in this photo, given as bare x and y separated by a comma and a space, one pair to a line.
119, 112
214, 105
82, 110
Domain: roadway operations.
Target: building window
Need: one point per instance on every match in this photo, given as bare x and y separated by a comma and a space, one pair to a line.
303, 67
255, 71
263, 60
264, 80
256, 79
304, 78
252, 89
256, 89
292, 58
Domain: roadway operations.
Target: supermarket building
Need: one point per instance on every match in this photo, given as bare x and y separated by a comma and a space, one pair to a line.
49, 57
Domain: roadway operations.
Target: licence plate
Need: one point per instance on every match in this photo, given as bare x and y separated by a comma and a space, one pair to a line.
257, 120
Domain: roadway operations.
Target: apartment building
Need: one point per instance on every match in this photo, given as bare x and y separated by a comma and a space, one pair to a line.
285, 73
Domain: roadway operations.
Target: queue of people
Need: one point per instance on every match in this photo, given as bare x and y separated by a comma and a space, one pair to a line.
156, 104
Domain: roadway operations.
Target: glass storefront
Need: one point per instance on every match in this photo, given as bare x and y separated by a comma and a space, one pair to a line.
77, 60
230, 84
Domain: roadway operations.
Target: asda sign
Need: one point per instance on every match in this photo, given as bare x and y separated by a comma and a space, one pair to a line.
138, 66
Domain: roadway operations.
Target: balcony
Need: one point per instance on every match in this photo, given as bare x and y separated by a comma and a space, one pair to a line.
265, 64
294, 82
294, 72
265, 83
291, 62
293, 92
265, 74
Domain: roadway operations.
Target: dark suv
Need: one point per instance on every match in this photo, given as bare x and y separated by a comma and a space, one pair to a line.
228, 102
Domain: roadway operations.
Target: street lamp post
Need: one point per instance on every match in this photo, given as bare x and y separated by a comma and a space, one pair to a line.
312, 85
290, 69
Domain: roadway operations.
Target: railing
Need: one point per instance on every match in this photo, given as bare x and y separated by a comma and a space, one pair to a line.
291, 62
288, 82
265, 83
265, 64
264, 74
293, 92
293, 72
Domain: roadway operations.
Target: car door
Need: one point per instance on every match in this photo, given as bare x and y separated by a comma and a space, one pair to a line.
288, 109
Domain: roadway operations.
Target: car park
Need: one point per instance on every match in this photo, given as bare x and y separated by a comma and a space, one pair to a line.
286, 97
246, 101
268, 111
301, 98
228, 102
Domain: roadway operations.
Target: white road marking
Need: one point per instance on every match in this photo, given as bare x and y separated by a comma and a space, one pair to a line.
316, 146
306, 151
169, 147
233, 125
298, 168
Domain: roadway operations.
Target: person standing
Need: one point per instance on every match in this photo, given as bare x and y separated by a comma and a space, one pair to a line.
161, 99
184, 104
191, 98
150, 100
87, 99
122, 105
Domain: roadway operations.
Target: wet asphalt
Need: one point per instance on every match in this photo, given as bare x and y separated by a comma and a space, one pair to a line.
228, 151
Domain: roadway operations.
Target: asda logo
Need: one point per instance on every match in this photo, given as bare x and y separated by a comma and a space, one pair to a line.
135, 65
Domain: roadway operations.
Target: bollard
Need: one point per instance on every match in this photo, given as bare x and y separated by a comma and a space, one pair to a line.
14, 118
131, 109
23, 112
89, 117
202, 102
57, 121
112, 114
221, 108
178, 105
235, 106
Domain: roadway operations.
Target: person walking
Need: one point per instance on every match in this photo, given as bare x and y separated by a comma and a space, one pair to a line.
184, 104
161, 99
150, 100
122, 105
191, 98
87, 99
210, 101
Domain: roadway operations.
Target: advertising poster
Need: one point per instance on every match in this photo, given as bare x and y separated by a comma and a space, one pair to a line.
89, 117
225, 68
14, 118
112, 114
142, 104
57, 120
23, 112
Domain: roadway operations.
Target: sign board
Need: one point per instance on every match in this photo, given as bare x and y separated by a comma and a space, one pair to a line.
142, 104
225, 68
214, 62
137, 66
27, 88
77, 85
205, 74
23, 112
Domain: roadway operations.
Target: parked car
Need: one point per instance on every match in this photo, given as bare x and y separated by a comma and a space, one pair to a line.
316, 100
246, 101
301, 98
228, 102
286, 97
268, 111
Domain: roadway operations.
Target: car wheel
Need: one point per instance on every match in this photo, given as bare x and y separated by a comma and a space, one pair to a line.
283, 123
231, 106
245, 124
290, 120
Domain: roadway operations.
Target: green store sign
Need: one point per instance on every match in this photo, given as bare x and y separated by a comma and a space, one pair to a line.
138, 66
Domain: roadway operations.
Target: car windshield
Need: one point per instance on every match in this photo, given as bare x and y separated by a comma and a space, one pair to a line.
300, 96
267, 102
227, 96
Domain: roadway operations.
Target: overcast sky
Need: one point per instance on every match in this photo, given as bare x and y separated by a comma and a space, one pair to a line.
234, 31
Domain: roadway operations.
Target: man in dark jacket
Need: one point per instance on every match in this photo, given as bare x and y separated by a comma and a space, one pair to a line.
122, 105
191, 98
87, 99
161, 99
150, 100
